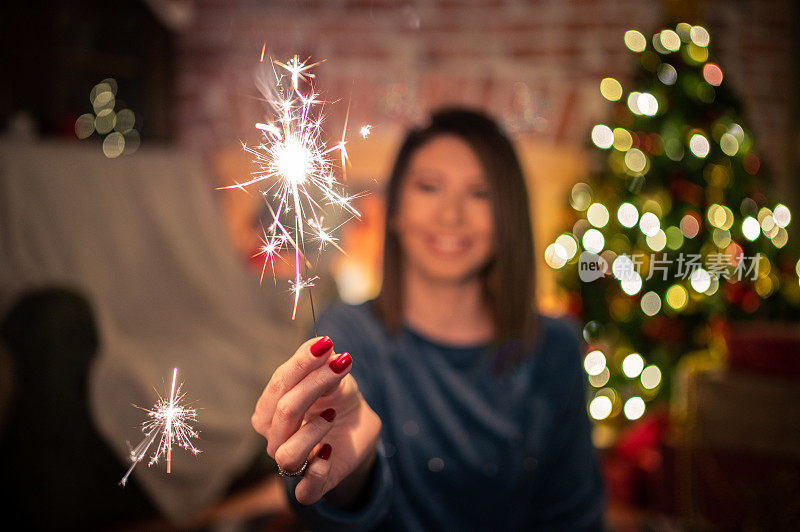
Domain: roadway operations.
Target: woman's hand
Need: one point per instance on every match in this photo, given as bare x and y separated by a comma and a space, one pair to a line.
311, 408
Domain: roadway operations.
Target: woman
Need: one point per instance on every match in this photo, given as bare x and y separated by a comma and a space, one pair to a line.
463, 410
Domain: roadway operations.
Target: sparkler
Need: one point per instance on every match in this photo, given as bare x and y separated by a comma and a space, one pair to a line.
168, 422
295, 168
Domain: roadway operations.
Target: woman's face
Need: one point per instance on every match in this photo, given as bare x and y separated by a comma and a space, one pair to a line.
444, 220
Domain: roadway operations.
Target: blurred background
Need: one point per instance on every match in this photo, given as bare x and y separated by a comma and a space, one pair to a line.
694, 389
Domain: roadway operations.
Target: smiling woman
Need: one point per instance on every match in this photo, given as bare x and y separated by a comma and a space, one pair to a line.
478, 215
444, 225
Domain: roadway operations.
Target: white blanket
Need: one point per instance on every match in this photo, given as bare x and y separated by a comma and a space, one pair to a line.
142, 237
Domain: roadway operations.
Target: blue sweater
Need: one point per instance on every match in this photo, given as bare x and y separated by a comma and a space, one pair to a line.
459, 449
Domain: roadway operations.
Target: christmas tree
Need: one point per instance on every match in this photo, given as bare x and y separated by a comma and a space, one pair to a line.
673, 234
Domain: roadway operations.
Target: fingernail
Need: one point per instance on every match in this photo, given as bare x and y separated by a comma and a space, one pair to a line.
328, 415
340, 363
325, 451
321, 346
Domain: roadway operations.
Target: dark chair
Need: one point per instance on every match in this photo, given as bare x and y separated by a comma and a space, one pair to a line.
56, 471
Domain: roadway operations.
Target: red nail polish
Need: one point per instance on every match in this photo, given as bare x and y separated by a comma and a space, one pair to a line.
325, 451
328, 415
340, 363
321, 346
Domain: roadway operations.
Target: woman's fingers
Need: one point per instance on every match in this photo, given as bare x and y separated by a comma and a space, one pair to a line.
310, 356
291, 408
293, 453
315, 479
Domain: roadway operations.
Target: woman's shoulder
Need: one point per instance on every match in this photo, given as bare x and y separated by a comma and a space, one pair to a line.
341, 312
346, 320
559, 342
558, 330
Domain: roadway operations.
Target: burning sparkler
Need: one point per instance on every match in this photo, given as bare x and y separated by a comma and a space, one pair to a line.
168, 420
296, 168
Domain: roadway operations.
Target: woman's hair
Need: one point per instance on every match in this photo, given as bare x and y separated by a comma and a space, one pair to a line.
509, 277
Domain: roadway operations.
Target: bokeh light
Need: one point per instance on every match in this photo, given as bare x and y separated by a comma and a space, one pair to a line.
597, 214
636, 161
593, 241
632, 365
658, 241
623, 141
698, 54
580, 197
125, 121
632, 284
712, 73
611, 89
690, 227
729, 144
650, 303
105, 121
555, 256
649, 224
677, 297
568, 242
633, 102
600, 407
667, 74
601, 379
602, 136
721, 237
84, 126
113, 145
628, 215
594, 362
781, 215
651, 377
635, 41
699, 146
674, 237
634, 408
750, 228
700, 36
700, 280
622, 268
647, 104
670, 40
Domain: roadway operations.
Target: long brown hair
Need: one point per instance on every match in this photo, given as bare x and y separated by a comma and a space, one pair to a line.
509, 279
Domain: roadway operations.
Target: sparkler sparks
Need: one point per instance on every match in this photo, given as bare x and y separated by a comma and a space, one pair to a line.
366, 130
168, 422
295, 169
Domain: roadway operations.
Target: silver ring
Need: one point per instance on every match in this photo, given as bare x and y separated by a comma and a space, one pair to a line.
297, 473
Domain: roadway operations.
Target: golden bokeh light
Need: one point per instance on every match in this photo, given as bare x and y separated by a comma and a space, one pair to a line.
635, 41
611, 89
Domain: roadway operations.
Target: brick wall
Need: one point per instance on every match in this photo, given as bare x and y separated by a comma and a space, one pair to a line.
534, 63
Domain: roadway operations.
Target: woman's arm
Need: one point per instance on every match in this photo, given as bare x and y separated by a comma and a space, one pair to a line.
571, 494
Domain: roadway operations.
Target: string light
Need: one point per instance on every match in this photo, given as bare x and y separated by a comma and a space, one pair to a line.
634, 408
635, 41
651, 377
632, 365
650, 303
602, 136
611, 89
595, 362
